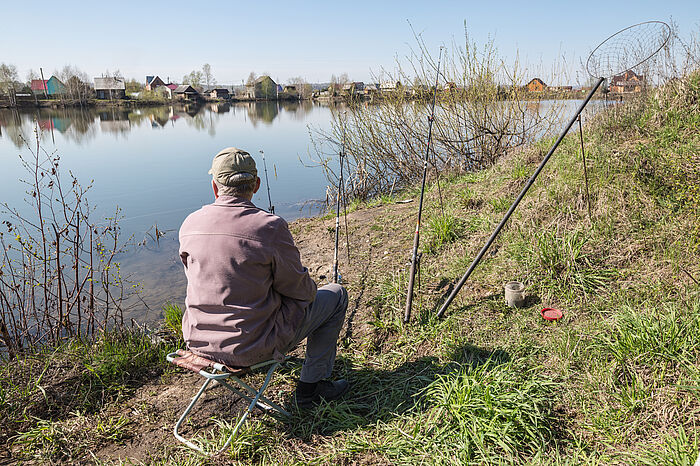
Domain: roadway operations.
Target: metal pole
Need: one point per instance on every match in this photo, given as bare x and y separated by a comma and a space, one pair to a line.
416, 237
498, 229
267, 183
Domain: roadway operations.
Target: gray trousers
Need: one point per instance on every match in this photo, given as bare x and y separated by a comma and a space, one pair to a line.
321, 327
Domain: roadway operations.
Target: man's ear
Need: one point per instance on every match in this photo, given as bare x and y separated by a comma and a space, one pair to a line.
257, 185
215, 188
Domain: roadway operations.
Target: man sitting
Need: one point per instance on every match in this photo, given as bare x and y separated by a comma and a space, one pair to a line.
249, 299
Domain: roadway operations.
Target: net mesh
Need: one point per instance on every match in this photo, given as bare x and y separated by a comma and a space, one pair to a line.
627, 49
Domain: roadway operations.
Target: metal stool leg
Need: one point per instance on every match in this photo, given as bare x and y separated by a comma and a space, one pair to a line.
252, 404
184, 415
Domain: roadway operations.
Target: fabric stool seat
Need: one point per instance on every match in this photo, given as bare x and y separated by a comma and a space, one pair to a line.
223, 374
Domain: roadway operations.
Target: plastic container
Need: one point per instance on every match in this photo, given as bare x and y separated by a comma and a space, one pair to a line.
515, 294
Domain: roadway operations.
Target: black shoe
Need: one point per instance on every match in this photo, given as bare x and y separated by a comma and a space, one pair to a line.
325, 390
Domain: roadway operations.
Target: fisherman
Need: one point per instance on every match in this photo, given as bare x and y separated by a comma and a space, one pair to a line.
249, 299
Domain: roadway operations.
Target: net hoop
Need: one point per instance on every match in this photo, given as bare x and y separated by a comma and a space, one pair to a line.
664, 32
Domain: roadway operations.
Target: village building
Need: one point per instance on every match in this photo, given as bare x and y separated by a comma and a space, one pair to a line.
186, 92
51, 86
353, 88
371, 88
450, 86
263, 88
536, 85
389, 86
153, 82
219, 93
110, 88
627, 82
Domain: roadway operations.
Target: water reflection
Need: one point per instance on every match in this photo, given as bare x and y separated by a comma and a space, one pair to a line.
80, 125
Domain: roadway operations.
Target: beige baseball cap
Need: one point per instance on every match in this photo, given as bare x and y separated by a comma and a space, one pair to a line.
231, 166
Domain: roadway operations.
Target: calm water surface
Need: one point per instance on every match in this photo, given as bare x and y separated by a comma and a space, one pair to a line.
153, 163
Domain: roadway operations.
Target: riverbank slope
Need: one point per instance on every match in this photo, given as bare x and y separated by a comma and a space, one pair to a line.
615, 381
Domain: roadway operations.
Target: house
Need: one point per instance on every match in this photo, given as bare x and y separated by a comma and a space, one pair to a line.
627, 82
38, 87
186, 92
54, 86
353, 88
263, 88
389, 86
152, 82
536, 85
289, 89
219, 93
110, 88
371, 88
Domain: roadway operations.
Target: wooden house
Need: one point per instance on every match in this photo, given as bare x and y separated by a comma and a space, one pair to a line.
263, 88
38, 87
186, 92
627, 82
219, 93
153, 82
110, 88
536, 85
389, 86
371, 88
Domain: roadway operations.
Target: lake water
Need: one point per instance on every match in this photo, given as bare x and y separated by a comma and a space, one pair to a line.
153, 163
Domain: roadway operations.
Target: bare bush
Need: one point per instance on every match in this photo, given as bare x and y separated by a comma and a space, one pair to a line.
482, 111
58, 274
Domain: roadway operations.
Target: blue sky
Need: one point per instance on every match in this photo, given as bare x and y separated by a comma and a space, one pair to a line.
309, 39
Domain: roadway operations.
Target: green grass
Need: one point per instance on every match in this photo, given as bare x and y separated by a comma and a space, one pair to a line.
442, 230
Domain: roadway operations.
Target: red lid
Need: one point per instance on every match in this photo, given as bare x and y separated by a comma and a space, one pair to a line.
549, 313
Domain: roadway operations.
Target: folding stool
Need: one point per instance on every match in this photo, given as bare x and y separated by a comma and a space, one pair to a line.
211, 370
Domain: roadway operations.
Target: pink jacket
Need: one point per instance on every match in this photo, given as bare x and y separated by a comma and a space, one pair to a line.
246, 288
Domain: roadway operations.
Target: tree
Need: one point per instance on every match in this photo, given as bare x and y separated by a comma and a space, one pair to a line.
303, 87
251, 78
208, 76
76, 82
133, 86
8, 82
194, 79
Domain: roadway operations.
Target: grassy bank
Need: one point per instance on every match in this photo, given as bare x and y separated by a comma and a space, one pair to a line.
614, 382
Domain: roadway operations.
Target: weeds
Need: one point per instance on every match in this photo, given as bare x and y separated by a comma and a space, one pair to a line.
442, 230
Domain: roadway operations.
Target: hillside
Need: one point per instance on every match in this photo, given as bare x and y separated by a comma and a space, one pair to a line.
615, 381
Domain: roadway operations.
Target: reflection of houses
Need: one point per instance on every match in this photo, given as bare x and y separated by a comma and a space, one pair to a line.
627, 82
52, 86
153, 82
536, 85
186, 92
263, 88
110, 88
219, 93
114, 122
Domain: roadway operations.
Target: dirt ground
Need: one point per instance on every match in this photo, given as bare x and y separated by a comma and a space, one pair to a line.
375, 241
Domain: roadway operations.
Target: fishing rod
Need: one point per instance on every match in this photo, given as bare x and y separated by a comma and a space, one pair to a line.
336, 275
624, 50
267, 183
416, 239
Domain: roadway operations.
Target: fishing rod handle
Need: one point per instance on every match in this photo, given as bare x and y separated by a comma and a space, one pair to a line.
498, 229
